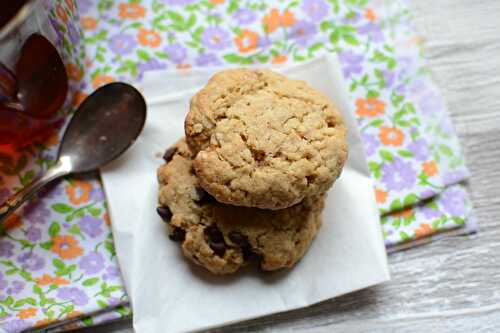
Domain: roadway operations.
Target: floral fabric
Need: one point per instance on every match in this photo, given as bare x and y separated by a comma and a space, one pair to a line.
57, 260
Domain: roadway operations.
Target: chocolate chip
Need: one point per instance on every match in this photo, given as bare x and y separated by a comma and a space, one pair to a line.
203, 196
242, 241
178, 235
164, 213
215, 240
250, 255
214, 234
218, 248
238, 239
169, 153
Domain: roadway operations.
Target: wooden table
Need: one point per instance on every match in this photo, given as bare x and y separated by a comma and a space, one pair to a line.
451, 284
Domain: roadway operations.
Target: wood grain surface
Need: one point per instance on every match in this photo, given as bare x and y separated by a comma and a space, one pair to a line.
451, 285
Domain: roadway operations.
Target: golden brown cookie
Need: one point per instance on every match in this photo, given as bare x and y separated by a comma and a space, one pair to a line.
222, 238
262, 140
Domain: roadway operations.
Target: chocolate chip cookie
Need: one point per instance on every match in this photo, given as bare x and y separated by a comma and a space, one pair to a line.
262, 140
222, 238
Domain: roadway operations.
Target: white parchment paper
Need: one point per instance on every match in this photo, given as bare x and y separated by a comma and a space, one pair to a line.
167, 293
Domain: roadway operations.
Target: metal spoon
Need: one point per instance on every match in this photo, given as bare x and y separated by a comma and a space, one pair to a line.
103, 127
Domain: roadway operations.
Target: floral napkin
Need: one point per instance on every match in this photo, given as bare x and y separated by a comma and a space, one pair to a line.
57, 260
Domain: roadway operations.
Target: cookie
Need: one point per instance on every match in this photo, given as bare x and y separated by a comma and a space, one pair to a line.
262, 140
223, 238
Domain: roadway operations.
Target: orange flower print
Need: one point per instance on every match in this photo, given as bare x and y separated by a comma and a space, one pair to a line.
46, 279
74, 314
70, 5
61, 13
148, 37
88, 23
106, 219
43, 322
380, 195
405, 213
370, 107
66, 247
271, 21
430, 168
12, 222
274, 20
74, 72
423, 230
246, 41
27, 313
370, 15
287, 19
279, 59
131, 11
78, 98
183, 66
78, 192
391, 136
217, 2
101, 80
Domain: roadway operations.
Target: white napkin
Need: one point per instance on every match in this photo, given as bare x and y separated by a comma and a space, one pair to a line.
168, 294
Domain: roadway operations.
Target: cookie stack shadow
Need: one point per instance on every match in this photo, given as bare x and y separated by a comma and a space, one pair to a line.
248, 182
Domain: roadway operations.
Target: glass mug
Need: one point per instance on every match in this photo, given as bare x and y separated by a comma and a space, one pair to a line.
41, 63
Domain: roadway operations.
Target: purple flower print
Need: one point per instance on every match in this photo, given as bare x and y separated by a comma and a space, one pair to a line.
316, 9
371, 143
97, 194
420, 149
90, 226
4, 194
3, 283
15, 325
430, 103
264, 42
429, 212
179, 2
207, 59
74, 35
84, 6
151, 65
122, 43
454, 177
15, 287
6, 249
389, 78
77, 296
302, 31
176, 53
351, 63
36, 212
113, 301
215, 38
112, 272
244, 16
31, 261
373, 31
33, 234
398, 175
452, 200
92, 263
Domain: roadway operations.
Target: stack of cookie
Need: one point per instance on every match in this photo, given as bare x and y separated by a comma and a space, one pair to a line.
249, 180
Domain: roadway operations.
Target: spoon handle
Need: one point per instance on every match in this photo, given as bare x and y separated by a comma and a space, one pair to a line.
62, 168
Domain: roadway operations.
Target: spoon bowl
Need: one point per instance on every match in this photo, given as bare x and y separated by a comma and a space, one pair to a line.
104, 126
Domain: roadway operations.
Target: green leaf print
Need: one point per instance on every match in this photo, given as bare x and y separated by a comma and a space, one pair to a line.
143, 55
386, 155
396, 205
62, 208
405, 153
404, 236
410, 199
375, 169
54, 229
350, 39
446, 150
90, 282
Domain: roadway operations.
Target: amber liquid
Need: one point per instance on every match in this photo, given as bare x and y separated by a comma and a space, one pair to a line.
9, 10
26, 119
